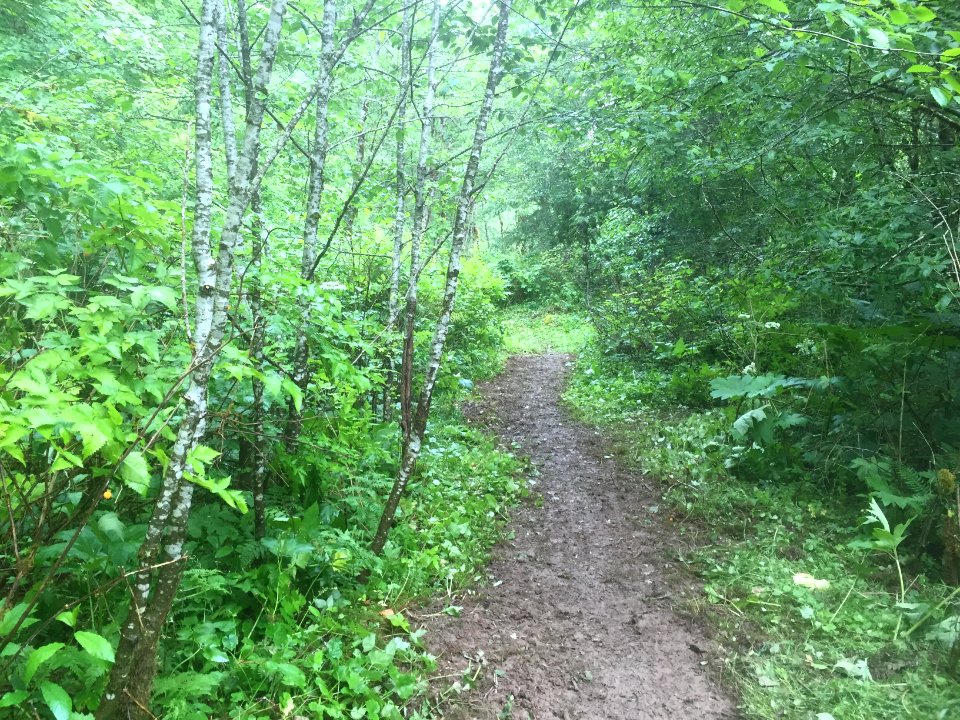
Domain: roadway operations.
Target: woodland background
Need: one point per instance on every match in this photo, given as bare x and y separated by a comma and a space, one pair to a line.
254, 254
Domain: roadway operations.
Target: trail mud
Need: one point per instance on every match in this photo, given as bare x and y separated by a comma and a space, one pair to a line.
576, 621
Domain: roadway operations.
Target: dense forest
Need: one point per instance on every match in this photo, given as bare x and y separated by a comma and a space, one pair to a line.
257, 255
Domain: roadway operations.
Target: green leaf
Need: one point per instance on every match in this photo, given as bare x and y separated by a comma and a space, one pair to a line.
111, 525
57, 700
776, 5
875, 515
14, 698
899, 17
923, 14
203, 454
747, 421
942, 97
11, 617
69, 617
880, 38
921, 69
735, 386
136, 473
295, 393
143, 295
95, 645
93, 438
37, 658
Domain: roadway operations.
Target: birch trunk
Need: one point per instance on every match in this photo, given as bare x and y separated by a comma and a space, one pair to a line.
399, 219
318, 159
400, 215
131, 680
258, 473
419, 227
414, 442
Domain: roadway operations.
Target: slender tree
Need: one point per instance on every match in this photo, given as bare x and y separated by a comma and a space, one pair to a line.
420, 193
161, 554
318, 161
461, 225
399, 220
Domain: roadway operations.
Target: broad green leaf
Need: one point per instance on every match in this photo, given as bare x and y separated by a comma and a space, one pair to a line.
880, 38
37, 658
93, 438
921, 69
135, 472
57, 700
942, 97
150, 293
295, 393
776, 5
203, 454
13, 698
95, 645
12, 616
747, 421
923, 14
69, 617
734, 386
111, 525
899, 17
65, 460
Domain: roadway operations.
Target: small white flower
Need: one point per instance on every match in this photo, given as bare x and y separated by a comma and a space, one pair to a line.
772, 325
743, 316
749, 369
807, 347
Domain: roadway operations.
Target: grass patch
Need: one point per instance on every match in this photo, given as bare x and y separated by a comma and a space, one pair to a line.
841, 648
530, 332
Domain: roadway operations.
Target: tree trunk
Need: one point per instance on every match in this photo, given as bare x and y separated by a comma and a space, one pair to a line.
318, 159
420, 193
400, 216
154, 588
414, 442
258, 471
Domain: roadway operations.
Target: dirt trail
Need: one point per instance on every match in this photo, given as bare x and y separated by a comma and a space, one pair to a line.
576, 623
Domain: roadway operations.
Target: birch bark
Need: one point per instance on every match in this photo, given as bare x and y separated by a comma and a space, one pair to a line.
419, 227
399, 219
258, 474
131, 679
414, 441
318, 159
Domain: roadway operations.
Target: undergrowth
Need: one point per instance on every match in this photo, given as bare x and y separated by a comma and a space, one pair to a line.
307, 622
810, 618
298, 625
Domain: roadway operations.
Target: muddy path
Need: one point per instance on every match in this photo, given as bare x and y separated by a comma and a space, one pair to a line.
576, 621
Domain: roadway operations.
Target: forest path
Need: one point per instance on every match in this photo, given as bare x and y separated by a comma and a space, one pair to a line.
576, 622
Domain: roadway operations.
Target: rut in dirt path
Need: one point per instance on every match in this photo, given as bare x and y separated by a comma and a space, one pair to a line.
576, 623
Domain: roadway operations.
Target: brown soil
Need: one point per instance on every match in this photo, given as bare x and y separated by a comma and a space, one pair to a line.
576, 621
